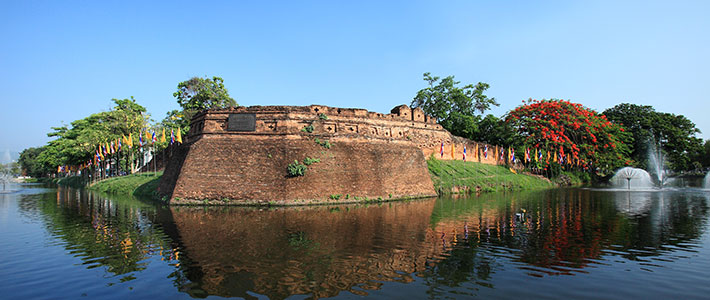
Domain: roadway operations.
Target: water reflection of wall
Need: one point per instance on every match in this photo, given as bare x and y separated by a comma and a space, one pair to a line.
320, 251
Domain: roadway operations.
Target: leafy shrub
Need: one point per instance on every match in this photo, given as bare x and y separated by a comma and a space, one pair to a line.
322, 116
296, 169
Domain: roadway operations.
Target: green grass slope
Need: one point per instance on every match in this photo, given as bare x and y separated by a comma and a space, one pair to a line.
139, 184
454, 176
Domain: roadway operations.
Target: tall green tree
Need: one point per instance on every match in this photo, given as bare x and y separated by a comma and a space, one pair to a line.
196, 94
453, 106
674, 135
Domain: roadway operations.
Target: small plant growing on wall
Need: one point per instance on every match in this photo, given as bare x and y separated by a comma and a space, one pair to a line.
322, 116
325, 144
309, 161
308, 128
296, 169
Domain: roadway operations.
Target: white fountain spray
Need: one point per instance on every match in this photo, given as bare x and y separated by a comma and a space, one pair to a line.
5, 179
656, 162
706, 182
632, 178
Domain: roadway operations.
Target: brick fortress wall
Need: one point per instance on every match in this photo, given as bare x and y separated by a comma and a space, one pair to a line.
372, 156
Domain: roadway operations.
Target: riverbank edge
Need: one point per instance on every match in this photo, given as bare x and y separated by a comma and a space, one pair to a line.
449, 177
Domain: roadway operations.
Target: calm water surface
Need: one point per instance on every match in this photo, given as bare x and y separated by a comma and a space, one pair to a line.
67, 243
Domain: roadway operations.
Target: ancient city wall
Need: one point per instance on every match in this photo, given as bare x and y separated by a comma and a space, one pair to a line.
240, 155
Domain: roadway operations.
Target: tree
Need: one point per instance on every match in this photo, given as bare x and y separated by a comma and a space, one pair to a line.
453, 106
496, 131
565, 128
674, 135
198, 93
28, 162
76, 144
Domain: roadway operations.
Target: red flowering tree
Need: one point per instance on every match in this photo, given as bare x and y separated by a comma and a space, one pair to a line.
579, 135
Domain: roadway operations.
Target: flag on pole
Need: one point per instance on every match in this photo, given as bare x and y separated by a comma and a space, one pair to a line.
140, 139
485, 151
162, 138
512, 155
464, 152
178, 136
153, 138
527, 155
130, 141
538, 154
172, 136
442, 150
452, 151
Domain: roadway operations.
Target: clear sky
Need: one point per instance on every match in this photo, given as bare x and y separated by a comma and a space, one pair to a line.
63, 60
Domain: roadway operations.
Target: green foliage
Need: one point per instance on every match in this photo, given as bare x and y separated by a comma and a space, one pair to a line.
448, 175
336, 196
322, 116
453, 106
675, 134
308, 128
495, 131
325, 144
29, 163
175, 119
296, 169
309, 161
76, 144
198, 93
72, 181
704, 156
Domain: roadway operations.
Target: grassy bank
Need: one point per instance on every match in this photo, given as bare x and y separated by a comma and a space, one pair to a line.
139, 184
460, 177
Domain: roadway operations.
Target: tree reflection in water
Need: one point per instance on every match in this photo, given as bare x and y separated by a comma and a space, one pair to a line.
440, 244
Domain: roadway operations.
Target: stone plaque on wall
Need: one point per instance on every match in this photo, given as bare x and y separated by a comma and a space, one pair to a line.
241, 122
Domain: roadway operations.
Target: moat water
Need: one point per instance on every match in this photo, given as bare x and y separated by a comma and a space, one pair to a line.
59, 243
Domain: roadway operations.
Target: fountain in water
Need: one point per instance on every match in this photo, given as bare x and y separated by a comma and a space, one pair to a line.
706, 182
656, 162
632, 178
5, 179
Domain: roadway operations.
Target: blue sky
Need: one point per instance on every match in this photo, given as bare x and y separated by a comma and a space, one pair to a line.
63, 60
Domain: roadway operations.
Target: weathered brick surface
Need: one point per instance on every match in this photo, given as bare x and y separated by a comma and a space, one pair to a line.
373, 156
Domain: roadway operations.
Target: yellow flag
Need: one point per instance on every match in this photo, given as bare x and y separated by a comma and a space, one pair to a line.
148, 139
178, 136
453, 151
130, 140
162, 138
